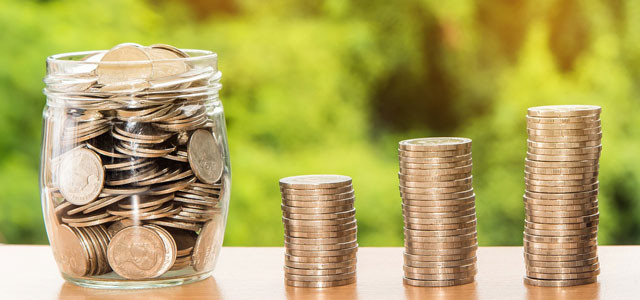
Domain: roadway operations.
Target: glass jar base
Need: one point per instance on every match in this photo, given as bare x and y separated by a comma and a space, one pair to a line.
135, 284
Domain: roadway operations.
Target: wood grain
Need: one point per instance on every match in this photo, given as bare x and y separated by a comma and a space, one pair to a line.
29, 272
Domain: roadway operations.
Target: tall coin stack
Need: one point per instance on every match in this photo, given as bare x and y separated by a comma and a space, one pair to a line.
320, 230
438, 205
561, 204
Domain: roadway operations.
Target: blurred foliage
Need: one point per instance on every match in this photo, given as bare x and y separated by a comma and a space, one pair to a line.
331, 86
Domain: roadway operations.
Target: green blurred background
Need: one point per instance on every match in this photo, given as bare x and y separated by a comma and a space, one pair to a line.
331, 86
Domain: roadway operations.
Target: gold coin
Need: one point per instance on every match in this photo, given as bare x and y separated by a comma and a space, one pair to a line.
560, 239
533, 123
559, 220
205, 156
321, 253
567, 139
417, 178
441, 221
436, 160
566, 208
430, 191
440, 239
564, 119
560, 258
558, 283
426, 154
563, 276
444, 171
331, 216
438, 271
556, 252
319, 284
431, 245
321, 234
315, 181
566, 152
123, 63
562, 264
563, 111
587, 201
564, 270
320, 272
319, 277
328, 247
437, 215
561, 171
316, 210
563, 132
435, 144
442, 252
320, 241
408, 198
70, 252
340, 196
320, 259
579, 176
138, 252
448, 276
440, 233
560, 164
81, 176
563, 144
313, 192
437, 184
564, 158
320, 204
463, 206
437, 283
437, 166
439, 258
562, 196
560, 213
320, 266
332, 222
439, 264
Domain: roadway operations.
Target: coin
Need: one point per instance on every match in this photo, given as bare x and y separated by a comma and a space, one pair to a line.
563, 270
320, 259
563, 276
321, 253
564, 119
313, 192
534, 123
435, 144
341, 196
315, 181
558, 283
436, 160
205, 158
410, 198
441, 276
564, 144
204, 251
563, 111
329, 247
439, 233
319, 284
138, 252
125, 62
437, 283
560, 258
439, 270
321, 272
70, 252
320, 266
81, 176
320, 241
562, 264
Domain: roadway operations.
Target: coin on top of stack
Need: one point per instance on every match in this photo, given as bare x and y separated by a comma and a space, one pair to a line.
438, 205
561, 196
320, 230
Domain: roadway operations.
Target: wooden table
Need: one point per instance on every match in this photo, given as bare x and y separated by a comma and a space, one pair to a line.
29, 272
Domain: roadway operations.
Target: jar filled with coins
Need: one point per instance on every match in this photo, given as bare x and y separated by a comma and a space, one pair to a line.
135, 172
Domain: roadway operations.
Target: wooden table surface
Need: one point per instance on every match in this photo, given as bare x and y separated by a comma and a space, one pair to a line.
29, 272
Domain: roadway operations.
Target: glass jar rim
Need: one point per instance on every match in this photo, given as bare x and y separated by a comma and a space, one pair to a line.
195, 55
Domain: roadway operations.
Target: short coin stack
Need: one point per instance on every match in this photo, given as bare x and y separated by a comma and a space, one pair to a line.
438, 205
561, 204
320, 230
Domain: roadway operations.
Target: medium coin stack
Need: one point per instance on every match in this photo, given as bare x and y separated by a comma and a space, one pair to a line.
133, 164
561, 204
320, 230
438, 205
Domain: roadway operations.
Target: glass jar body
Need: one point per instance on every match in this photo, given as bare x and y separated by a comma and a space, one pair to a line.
135, 175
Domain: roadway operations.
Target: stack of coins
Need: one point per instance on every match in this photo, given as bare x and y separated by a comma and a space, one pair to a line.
561, 204
438, 205
133, 163
320, 230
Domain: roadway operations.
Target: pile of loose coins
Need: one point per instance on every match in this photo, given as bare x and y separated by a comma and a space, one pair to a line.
438, 205
320, 230
561, 204
133, 165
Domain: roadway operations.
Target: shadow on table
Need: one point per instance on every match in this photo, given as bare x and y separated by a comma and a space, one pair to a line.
205, 289
339, 292
459, 292
564, 293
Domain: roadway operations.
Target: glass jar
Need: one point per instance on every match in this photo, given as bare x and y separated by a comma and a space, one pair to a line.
135, 170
